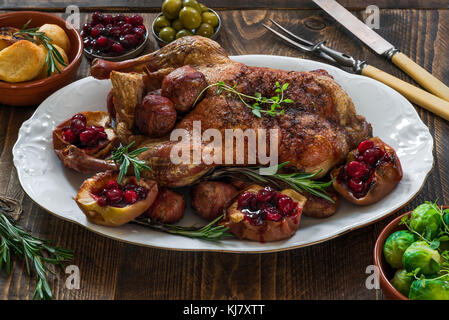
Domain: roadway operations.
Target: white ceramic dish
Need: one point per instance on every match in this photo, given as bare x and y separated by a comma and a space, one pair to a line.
393, 118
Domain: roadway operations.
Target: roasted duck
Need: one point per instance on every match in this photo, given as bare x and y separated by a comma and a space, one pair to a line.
316, 132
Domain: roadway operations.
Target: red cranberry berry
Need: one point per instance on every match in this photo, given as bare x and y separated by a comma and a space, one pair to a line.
77, 126
142, 27
365, 145
87, 136
108, 19
265, 194
244, 200
371, 156
136, 20
130, 196
131, 40
81, 117
102, 201
126, 28
357, 169
356, 185
95, 32
69, 136
86, 28
117, 48
112, 184
139, 31
97, 17
272, 214
102, 41
285, 205
141, 192
114, 195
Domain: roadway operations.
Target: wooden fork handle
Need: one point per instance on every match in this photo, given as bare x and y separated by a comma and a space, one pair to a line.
420, 75
416, 95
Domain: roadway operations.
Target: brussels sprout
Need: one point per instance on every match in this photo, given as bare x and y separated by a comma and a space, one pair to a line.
429, 289
402, 281
426, 220
395, 246
446, 219
420, 255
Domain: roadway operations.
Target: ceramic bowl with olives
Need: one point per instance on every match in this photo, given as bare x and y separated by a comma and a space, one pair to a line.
181, 18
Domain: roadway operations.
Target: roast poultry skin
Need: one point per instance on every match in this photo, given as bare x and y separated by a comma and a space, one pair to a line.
316, 132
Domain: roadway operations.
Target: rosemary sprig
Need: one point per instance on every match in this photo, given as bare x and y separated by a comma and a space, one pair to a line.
299, 181
36, 252
53, 55
274, 103
211, 232
125, 158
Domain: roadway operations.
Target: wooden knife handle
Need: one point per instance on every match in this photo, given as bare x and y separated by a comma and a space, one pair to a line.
420, 75
416, 95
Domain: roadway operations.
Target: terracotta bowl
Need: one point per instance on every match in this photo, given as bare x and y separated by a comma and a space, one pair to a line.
385, 271
34, 92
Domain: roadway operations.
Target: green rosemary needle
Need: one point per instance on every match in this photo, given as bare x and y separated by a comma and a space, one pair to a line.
125, 158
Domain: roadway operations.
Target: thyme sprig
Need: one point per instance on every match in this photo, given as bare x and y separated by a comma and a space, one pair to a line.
53, 55
274, 103
125, 158
211, 231
37, 253
299, 181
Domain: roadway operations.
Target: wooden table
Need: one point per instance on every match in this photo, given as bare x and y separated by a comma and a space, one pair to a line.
331, 270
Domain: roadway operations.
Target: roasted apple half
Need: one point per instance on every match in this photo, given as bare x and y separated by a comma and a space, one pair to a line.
108, 203
371, 172
84, 142
264, 214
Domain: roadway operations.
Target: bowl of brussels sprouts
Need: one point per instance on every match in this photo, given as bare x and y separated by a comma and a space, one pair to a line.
412, 255
181, 18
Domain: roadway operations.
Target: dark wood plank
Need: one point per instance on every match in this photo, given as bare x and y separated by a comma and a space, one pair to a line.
152, 5
331, 270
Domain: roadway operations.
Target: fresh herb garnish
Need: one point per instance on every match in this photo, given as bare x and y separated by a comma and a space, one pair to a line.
211, 232
274, 103
37, 253
53, 55
299, 181
125, 158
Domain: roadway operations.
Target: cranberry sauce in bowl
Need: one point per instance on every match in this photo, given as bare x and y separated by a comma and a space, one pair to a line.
114, 38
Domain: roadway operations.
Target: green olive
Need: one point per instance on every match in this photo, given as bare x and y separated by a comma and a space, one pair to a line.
210, 18
167, 34
171, 8
203, 8
205, 30
190, 18
183, 32
177, 25
160, 23
192, 3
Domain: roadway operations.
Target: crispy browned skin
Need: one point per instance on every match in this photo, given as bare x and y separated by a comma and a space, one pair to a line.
318, 207
316, 132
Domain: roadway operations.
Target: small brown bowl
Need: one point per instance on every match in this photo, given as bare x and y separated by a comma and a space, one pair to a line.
162, 43
34, 92
386, 272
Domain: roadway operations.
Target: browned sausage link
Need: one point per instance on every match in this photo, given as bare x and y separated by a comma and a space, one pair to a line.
182, 86
168, 207
155, 116
211, 198
318, 207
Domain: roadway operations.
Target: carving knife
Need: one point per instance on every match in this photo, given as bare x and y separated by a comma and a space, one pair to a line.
383, 47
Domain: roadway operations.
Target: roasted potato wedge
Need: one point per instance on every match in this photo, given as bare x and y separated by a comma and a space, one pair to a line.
57, 35
21, 61
43, 74
7, 37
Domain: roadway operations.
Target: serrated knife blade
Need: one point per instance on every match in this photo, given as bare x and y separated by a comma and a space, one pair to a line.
354, 25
